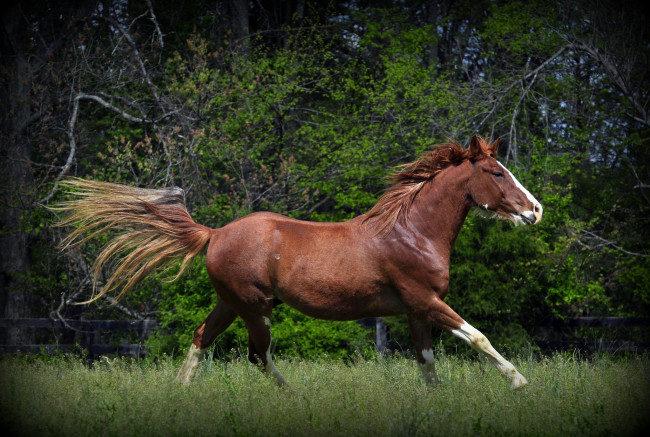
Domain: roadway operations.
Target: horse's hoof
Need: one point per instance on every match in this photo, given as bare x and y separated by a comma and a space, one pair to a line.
518, 383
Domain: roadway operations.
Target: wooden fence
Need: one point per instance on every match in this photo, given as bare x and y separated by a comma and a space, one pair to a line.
606, 334
89, 338
555, 335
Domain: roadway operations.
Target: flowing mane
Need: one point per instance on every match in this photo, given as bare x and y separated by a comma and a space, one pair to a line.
410, 178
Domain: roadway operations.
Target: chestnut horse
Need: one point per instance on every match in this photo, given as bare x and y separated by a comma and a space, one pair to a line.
392, 260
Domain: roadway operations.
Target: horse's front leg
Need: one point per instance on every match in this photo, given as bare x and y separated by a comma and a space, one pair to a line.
479, 342
421, 336
440, 314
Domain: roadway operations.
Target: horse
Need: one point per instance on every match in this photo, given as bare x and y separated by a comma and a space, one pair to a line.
392, 260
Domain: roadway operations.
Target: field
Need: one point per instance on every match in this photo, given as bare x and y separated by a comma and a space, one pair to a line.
567, 396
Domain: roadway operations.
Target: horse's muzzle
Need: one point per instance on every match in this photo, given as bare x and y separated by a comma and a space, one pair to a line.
532, 217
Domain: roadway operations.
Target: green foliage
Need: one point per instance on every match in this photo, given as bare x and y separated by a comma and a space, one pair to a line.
519, 29
635, 278
310, 126
184, 304
297, 335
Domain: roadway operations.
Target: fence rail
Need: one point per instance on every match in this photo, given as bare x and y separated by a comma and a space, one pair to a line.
382, 337
597, 322
615, 334
85, 327
94, 349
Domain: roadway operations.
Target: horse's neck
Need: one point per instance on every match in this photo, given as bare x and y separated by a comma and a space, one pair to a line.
439, 211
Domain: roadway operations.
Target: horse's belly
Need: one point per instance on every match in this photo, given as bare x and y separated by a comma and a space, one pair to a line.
337, 300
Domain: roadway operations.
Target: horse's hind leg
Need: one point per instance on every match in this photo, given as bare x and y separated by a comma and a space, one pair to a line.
218, 321
421, 336
259, 345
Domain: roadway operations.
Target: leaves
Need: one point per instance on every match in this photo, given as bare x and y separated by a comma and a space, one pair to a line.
307, 121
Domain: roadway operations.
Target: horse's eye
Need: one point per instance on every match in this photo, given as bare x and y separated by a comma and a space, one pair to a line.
497, 174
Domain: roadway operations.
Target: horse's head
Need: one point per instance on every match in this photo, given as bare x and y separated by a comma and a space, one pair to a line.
495, 190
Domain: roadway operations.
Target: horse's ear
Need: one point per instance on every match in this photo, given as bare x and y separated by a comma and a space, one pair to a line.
474, 146
494, 147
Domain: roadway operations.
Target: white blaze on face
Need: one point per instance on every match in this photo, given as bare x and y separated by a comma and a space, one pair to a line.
536, 213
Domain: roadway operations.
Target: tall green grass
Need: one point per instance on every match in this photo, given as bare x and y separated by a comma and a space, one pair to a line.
567, 396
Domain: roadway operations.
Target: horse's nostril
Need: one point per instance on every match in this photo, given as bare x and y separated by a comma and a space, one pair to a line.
537, 212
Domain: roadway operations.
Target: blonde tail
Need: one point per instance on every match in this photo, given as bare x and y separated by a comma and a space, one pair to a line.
152, 229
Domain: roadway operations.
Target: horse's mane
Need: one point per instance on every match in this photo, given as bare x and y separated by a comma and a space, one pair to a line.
409, 179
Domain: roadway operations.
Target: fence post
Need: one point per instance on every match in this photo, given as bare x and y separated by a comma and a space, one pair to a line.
381, 337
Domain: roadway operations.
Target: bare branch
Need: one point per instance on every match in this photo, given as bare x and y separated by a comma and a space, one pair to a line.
73, 148
107, 105
70, 132
522, 80
114, 303
604, 242
138, 58
155, 22
616, 77
640, 183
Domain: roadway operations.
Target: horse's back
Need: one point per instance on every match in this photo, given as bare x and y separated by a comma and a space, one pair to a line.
326, 270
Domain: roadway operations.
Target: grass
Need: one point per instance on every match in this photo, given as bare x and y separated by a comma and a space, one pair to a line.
567, 396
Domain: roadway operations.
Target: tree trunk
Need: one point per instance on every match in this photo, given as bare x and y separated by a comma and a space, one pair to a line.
240, 23
16, 177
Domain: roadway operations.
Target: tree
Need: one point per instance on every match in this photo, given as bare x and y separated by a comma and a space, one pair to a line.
30, 88
302, 107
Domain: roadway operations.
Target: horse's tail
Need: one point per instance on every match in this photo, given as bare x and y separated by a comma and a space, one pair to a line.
152, 228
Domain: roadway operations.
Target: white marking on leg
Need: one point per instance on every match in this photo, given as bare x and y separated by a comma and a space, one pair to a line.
428, 368
270, 369
480, 343
427, 354
190, 365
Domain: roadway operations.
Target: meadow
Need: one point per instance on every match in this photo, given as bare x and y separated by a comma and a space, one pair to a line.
567, 396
